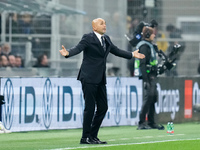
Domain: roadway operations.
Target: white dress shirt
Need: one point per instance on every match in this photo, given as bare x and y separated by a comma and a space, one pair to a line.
99, 37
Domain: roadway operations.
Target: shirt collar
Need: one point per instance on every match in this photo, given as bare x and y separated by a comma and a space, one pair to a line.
98, 35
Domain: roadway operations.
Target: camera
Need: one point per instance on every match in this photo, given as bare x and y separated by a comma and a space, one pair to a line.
137, 35
168, 62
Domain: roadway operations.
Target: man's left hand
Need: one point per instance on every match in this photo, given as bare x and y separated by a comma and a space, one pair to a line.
136, 54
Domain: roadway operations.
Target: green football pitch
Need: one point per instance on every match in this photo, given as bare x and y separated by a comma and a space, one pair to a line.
186, 137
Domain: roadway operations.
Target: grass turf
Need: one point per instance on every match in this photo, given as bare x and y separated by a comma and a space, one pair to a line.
186, 137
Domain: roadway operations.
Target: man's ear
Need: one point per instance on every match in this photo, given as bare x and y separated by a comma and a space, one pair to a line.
94, 28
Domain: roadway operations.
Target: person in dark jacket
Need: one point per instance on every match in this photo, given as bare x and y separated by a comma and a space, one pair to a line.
95, 46
146, 69
42, 61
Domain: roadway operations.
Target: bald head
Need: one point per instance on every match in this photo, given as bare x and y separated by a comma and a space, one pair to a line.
99, 25
95, 21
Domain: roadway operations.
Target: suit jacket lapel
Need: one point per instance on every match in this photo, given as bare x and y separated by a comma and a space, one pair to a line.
107, 44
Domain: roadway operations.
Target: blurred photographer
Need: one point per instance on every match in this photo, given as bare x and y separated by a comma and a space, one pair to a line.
2, 128
146, 69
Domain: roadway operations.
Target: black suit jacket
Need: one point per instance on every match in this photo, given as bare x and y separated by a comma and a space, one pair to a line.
93, 66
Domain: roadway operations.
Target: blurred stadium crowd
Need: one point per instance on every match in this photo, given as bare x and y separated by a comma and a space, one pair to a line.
30, 39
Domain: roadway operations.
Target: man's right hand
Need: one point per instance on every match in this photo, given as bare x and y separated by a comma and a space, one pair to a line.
63, 51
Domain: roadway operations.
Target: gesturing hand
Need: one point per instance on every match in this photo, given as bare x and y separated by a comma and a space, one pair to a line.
63, 51
136, 54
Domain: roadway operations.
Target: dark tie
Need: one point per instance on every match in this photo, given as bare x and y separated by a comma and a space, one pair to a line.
103, 43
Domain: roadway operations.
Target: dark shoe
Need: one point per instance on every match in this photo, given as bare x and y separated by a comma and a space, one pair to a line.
143, 127
155, 126
99, 141
88, 141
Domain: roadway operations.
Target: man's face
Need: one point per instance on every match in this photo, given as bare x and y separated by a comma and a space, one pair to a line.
4, 61
6, 49
44, 60
99, 25
12, 60
152, 37
18, 61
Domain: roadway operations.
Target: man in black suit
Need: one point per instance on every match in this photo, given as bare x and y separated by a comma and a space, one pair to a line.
95, 46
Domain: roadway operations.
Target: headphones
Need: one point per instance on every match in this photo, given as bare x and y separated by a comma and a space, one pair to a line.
147, 34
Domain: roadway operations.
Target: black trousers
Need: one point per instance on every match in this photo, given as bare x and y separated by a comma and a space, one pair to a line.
96, 106
149, 100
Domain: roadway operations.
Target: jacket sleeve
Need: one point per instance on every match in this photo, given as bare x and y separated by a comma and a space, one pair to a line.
119, 52
81, 46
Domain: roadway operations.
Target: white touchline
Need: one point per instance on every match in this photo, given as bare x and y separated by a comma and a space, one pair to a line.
110, 145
